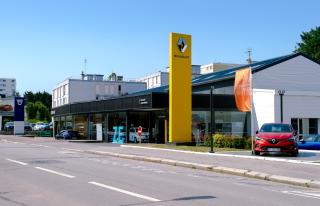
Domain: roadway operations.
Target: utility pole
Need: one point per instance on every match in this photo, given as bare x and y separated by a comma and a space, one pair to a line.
212, 119
281, 93
249, 60
85, 66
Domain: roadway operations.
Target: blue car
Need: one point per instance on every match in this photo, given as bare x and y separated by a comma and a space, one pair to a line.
311, 142
68, 134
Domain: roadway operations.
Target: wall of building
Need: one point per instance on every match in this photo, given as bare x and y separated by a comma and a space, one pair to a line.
7, 87
263, 108
296, 104
299, 78
296, 74
72, 91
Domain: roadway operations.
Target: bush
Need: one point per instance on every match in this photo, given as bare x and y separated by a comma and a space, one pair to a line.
223, 141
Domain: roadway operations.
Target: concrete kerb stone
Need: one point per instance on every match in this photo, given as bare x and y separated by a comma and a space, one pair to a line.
219, 169
227, 170
257, 175
169, 162
290, 180
314, 184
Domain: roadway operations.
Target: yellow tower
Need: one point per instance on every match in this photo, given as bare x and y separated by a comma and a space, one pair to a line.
180, 89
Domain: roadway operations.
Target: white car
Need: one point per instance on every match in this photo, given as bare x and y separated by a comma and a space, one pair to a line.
134, 137
40, 126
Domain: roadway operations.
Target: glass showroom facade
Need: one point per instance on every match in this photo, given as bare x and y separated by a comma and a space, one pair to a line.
120, 118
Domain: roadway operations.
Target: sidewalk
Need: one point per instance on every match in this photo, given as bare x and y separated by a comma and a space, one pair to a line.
295, 172
289, 172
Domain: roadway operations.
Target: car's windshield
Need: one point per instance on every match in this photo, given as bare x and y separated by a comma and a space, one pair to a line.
275, 128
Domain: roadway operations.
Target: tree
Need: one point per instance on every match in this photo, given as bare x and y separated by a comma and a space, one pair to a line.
38, 105
310, 44
31, 110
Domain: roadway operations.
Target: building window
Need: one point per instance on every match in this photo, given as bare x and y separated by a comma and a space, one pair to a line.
313, 126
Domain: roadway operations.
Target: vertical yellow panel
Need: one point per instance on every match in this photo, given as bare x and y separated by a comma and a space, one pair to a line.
180, 109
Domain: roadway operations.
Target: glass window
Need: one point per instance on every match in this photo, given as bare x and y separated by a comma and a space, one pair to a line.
231, 123
117, 127
313, 126
275, 128
81, 125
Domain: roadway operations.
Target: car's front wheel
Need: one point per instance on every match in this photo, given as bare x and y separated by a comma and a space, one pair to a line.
256, 153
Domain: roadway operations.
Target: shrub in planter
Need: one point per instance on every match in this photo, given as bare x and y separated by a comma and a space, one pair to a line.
224, 141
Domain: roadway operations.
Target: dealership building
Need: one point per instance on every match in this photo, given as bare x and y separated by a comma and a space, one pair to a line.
294, 78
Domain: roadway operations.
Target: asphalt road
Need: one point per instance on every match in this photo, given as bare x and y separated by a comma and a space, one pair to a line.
32, 175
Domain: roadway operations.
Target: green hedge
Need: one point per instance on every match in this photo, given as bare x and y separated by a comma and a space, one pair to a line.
224, 141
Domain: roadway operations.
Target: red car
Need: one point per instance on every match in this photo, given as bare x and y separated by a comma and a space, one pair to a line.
275, 137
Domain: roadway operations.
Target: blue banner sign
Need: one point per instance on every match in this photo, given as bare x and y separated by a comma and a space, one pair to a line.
19, 108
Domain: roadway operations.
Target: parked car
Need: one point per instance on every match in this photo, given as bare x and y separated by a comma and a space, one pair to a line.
9, 126
275, 137
27, 126
68, 134
40, 126
134, 136
311, 142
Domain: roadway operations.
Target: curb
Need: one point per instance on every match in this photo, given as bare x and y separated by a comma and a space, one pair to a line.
218, 169
291, 161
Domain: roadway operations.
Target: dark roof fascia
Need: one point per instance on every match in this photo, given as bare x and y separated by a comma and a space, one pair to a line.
213, 81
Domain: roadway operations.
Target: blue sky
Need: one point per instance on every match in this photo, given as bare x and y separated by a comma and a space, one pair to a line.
43, 42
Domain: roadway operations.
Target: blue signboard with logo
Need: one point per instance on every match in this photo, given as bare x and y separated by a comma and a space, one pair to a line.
19, 109
118, 135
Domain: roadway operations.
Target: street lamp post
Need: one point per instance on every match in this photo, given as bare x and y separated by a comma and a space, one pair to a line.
281, 93
211, 119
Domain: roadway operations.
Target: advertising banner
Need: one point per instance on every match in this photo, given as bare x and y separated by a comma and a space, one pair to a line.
6, 106
242, 90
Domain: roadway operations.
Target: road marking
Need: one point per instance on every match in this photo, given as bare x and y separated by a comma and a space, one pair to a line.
303, 194
76, 150
41, 145
18, 162
125, 192
66, 152
54, 172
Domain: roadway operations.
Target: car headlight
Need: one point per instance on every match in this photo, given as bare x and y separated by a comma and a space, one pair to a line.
258, 138
291, 139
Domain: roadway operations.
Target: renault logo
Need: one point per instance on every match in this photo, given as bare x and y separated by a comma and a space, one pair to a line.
273, 141
182, 45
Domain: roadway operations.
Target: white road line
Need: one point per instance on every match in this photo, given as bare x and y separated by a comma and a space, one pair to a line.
303, 194
54, 172
41, 145
18, 162
76, 150
125, 192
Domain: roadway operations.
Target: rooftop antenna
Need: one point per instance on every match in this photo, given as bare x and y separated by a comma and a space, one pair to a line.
249, 60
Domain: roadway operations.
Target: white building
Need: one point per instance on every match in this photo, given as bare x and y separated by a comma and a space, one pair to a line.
215, 67
91, 88
7, 87
161, 78
298, 77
